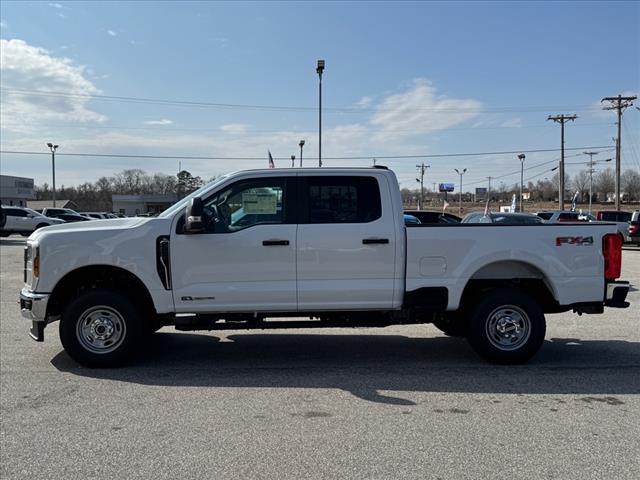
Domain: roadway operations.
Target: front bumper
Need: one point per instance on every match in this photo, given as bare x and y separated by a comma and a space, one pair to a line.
616, 294
33, 306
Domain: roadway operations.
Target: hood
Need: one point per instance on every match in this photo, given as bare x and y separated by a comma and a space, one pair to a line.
91, 226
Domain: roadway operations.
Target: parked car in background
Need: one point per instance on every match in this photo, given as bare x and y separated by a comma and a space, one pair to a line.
411, 220
97, 215
71, 218
24, 221
633, 232
502, 218
559, 216
53, 212
426, 216
620, 218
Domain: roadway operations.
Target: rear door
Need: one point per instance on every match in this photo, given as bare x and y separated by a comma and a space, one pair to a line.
346, 242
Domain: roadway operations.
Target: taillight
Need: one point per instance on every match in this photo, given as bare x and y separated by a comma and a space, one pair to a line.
633, 229
612, 252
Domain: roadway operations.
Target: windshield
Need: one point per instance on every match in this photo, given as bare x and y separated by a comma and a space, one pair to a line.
180, 204
33, 212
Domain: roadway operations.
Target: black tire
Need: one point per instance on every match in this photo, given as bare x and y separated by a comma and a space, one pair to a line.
453, 326
5, 234
507, 327
102, 328
41, 225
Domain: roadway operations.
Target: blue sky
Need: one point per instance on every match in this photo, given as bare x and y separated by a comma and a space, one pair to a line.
401, 79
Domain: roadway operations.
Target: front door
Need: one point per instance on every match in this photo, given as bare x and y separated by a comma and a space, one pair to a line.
246, 260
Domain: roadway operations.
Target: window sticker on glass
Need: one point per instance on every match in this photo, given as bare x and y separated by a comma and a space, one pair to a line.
262, 203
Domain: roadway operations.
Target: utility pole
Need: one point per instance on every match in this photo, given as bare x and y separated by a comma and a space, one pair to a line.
460, 172
521, 157
53, 149
618, 103
319, 71
421, 168
561, 119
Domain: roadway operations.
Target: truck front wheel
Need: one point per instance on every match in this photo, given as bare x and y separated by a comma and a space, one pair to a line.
507, 327
101, 328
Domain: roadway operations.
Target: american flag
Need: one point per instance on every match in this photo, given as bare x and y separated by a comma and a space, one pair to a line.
271, 164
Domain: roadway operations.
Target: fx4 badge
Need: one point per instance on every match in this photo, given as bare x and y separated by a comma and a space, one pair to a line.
574, 241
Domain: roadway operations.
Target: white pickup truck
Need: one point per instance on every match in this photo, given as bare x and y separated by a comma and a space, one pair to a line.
323, 247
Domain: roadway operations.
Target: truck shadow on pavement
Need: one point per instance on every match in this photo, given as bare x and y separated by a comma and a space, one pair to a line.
366, 365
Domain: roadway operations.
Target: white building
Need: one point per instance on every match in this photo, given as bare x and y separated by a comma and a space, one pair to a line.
16, 191
132, 205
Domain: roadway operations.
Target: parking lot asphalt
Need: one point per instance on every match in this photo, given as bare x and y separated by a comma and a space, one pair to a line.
392, 403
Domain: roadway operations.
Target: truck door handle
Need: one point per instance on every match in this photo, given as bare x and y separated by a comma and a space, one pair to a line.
370, 241
273, 243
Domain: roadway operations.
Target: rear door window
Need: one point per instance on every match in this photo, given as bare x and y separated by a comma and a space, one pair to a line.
334, 199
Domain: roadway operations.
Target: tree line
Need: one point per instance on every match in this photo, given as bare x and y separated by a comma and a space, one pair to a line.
546, 190
96, 196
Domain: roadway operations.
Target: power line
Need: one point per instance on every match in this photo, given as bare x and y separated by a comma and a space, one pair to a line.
163, 129
366, 157
205, 104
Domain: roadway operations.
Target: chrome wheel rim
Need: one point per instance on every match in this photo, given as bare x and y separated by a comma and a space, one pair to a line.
508, 327
101, 329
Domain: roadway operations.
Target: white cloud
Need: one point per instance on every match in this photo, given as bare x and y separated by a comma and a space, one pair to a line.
3, 24
55, 5
112, 33
418, 111
364, 102
26, 67
234, 128
221, 42
164, 121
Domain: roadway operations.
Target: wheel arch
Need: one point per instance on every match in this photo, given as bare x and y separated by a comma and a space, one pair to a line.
511, 274
94, 277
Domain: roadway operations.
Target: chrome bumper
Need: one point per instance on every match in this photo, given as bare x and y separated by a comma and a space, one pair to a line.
616, 294
33, 306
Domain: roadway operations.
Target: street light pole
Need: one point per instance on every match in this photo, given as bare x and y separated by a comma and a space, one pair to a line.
53, 149
591, 163
293, 159
319, 70
521, 158
460, 192
301, 145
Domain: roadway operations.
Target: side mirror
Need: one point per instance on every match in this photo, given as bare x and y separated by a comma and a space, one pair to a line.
193, 221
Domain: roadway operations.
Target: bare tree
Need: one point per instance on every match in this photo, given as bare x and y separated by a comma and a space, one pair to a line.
630, 182
581, 184
604, 183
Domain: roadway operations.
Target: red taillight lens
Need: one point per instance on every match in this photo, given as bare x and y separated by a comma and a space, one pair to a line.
633, 229
612, 252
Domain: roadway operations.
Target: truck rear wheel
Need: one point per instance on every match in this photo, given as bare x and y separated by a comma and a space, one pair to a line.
101, 328
507, 327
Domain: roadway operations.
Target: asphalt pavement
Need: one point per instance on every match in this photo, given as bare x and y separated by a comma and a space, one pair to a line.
392, 403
